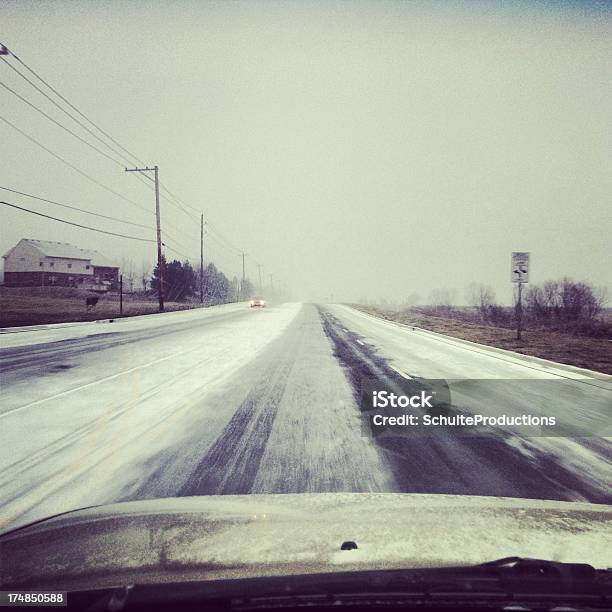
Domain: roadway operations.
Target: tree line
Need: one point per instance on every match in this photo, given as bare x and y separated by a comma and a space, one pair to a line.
181, 281
563, 305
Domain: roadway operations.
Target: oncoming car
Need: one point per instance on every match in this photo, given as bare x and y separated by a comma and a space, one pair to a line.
257, 302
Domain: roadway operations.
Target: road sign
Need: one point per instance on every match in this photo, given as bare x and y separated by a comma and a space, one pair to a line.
520, 267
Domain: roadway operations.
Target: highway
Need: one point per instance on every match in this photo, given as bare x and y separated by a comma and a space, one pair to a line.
232, 400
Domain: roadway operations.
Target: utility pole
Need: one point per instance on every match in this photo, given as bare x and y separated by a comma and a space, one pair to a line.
243, 276
121, 295
519, 311
259, 267
160, 261
202, 259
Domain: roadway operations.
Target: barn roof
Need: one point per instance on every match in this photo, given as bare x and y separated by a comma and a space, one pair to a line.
67, 251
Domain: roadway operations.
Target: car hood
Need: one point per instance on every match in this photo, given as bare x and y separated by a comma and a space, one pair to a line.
215, 537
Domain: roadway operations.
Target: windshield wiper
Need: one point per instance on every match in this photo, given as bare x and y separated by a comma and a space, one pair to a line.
515, 581
526, 566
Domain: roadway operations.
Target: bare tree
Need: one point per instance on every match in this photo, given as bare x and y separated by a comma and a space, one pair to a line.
565, 303
412, 300
480, 296
129, 274
145, 276
600, 301
442, 299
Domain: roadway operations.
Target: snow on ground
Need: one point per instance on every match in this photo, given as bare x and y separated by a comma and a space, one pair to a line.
486, 382
56, 332
430, 355
232, 399
295, 428
67, 434
316, 441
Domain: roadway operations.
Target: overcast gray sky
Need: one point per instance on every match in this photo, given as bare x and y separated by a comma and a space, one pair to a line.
364, 149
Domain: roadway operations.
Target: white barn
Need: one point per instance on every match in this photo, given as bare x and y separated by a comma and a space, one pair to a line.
41, 263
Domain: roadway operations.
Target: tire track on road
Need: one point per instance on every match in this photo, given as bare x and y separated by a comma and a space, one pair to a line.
17, 363
450, 463
231, 464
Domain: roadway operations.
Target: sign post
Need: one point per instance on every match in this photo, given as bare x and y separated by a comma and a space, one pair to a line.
121, 295
520, 275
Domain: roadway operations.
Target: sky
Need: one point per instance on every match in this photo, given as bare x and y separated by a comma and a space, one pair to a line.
354, 150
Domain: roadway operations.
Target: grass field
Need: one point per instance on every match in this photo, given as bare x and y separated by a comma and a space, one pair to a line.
584, 352
36, 306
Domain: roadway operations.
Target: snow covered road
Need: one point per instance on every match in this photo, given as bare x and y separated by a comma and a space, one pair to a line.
491, 382
237, 400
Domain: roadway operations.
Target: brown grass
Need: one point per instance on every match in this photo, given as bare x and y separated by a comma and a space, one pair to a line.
37, 306
592, 353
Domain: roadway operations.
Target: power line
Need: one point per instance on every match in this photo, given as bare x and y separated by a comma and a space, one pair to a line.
223, 241
87, 227
71, 207
139, 176
87, 176
216, 236
42, 112
72, 106
170, 197
177, 251
56, 104
88, 212
166, 245
173, 199
225, 261
229, 249
77, 121
175, 238
73, 134
179, 201
81, 172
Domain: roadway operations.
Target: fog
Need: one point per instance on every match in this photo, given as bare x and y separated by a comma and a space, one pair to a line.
361, 150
